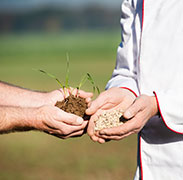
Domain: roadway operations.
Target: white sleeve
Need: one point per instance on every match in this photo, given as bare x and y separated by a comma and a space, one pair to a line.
125, 72
170, 103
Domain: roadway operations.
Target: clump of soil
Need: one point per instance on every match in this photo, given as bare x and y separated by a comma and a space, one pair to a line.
109, 119
73, 104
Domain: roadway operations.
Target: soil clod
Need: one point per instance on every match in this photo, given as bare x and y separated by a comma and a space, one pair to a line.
73, 104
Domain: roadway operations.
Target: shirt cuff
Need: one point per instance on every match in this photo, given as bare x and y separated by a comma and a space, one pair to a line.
130, 90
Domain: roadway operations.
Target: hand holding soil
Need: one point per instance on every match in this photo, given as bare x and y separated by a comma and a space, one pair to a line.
54, 121
64, 122
75, 104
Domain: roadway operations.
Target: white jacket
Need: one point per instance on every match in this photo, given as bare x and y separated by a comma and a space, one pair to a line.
150, 61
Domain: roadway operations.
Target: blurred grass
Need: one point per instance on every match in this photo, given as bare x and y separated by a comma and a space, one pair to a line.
37, 156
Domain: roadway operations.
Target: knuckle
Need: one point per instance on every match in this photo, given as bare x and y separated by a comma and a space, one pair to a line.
64, 132
136, 131
138, 126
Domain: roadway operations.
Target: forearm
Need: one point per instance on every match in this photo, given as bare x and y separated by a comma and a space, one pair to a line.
11, 95
16, 119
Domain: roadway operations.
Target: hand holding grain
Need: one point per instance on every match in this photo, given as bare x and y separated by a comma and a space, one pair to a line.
143, 108
114, 98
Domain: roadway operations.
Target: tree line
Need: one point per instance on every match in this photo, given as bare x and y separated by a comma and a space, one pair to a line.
53, 19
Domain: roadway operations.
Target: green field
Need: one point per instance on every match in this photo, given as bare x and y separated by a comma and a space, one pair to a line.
37, 156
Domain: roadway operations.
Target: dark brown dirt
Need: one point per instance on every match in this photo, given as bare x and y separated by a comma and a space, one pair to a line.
73, 104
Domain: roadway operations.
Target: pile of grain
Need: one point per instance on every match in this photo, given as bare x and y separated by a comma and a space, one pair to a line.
109, 120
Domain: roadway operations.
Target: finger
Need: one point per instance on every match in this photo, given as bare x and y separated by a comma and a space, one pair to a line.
75, 134
133, 109
117, 138
68, 118
73, 129
103, 102
81, 93
111, 137
91, 126
101, 141
94, 138
97, 139
84, 94
88, 100
95, 105
65, 129
116, 131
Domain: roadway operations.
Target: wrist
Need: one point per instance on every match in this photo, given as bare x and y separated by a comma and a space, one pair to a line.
24, 120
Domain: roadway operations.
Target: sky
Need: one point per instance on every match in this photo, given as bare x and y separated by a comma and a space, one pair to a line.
14, 5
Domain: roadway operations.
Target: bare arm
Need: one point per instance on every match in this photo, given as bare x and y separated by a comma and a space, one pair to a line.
49, 119
15, 119
11, 95
22, 110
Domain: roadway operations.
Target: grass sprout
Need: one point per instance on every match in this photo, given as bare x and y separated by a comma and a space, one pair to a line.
90, 79
93, 83
82, 82
52, 76
67, 72
65, 86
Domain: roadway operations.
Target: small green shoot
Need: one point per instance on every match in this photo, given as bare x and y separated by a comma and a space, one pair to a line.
82, 82
93, 83
52, 76
67, 72
90, 79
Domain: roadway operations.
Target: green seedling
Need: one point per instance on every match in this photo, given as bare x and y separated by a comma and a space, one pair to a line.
90, 79
67, 72
93, 83
52, 76
66, 85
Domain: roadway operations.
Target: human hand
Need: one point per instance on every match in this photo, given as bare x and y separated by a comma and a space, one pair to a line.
139, 113
56, 122
114, 98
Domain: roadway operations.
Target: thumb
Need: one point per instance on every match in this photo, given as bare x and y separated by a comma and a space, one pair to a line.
98, 103
69, 118
93, 107
132, 110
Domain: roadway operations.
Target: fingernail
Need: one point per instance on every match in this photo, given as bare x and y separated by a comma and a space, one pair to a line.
127, 114
101, 132
88, 111
79, 120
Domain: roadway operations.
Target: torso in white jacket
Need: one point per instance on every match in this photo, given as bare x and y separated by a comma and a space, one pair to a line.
150, 61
